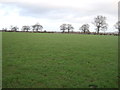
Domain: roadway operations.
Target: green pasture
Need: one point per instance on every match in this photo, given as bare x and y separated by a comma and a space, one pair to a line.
43, 60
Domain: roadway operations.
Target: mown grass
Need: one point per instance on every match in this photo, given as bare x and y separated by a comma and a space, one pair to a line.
39, 60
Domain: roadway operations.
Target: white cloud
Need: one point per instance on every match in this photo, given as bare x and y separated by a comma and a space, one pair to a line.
52, 13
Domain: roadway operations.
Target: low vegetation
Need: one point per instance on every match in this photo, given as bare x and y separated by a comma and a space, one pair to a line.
43, 60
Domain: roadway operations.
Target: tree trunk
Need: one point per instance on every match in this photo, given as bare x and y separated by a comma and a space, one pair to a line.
98, 30
63, 31
68, 31
84, 31
119, 31
36, 30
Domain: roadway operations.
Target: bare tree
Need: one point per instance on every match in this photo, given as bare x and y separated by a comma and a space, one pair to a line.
14, 28
25, 28
63, 27
4, 29
117, 26
37, 27
85, 28
69, 27
100, 23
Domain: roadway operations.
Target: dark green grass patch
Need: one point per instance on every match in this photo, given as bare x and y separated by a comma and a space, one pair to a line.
39, 60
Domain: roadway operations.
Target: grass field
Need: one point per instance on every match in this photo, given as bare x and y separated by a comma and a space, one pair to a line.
41, 60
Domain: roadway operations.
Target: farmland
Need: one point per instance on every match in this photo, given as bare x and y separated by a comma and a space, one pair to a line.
42, 60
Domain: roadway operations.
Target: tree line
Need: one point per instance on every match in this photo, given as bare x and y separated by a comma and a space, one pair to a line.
99, 23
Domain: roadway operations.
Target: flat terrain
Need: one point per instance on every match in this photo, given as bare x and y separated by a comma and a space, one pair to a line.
41, 60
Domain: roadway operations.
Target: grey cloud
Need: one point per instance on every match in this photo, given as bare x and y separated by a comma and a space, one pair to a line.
39, 11
60, 13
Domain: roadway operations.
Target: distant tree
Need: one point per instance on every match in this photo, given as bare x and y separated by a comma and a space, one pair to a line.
85, 28
25, 28
4, 29
100, 23
63, 27
69, 27
117, 26
37, 27
14, 28
45, 31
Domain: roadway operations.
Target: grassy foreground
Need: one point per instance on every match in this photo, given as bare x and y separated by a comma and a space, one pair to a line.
39, 60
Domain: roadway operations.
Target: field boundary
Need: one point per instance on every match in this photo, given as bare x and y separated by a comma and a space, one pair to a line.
90, 33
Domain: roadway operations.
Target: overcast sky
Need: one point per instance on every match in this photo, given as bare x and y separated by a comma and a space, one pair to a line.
52, 13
